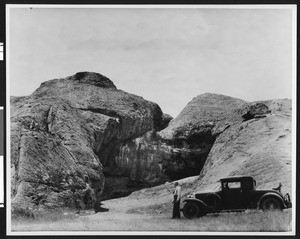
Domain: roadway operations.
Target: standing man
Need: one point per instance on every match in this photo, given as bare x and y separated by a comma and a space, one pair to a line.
176, 201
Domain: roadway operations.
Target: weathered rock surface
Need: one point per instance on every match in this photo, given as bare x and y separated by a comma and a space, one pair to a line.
150, 161
205, 113
213, 133
83, 125
180, 150
260, 147
67, 129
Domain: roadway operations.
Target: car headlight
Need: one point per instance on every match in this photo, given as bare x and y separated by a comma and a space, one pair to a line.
192, 195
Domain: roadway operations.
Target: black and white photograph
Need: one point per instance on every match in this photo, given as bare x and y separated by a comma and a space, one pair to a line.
151, 119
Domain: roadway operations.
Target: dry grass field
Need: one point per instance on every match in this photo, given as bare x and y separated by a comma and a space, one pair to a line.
143, 221
150, 210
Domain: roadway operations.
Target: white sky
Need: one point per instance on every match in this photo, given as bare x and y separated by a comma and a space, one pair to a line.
167, 56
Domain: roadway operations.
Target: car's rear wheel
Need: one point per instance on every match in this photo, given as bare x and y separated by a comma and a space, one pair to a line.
191, 210
271, 204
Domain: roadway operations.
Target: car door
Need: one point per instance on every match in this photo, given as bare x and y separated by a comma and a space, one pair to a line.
248, 200
232, 196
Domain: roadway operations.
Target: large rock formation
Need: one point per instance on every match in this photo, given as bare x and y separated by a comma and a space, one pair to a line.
260, 147
252, 139
219, 136
82, 130
181, 149
68, 130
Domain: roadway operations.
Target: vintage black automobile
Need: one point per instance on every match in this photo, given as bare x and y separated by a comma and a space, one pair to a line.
235, 194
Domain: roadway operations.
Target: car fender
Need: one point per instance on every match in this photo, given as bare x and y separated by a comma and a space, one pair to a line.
206, 207
270, 194
216, 197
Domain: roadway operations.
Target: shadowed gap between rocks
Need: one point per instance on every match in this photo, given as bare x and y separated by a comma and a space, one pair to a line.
149, 160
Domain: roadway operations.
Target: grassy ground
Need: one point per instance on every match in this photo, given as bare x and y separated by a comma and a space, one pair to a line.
150, 210
249, 221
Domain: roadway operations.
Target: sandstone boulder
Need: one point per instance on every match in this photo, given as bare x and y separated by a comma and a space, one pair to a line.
180, 150
260, 147
82, 126
208, 131
69, 129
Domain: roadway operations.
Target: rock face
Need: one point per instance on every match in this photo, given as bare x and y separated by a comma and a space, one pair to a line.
181, 149
67, 130
209, 113
195, 129
79, 139
219, 136
260, 147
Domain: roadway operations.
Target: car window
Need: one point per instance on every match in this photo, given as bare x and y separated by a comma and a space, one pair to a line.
232, 185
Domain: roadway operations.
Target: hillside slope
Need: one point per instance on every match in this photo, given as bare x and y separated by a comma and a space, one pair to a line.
260, 147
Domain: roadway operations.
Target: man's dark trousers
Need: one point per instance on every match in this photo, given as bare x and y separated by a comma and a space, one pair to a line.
176, 207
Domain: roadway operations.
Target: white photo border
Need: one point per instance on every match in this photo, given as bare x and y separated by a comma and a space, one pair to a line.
293, 7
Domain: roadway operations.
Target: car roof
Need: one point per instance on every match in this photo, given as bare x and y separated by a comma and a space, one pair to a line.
236, 178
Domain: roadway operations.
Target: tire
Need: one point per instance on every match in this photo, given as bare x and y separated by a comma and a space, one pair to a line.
191, 210
271, 204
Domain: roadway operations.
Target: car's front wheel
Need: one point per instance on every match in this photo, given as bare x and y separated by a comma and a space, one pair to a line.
270, 204
191, 210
